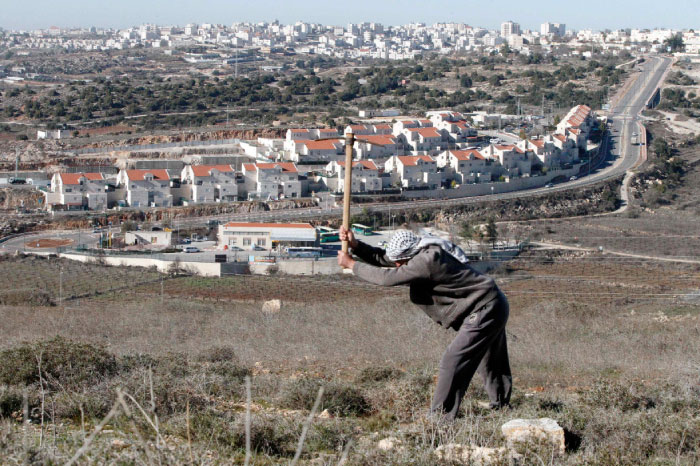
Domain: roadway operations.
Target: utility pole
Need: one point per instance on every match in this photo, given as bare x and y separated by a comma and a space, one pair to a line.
542, 105
16, 162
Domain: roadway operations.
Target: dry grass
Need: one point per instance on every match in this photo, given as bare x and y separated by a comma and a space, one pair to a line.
607, 352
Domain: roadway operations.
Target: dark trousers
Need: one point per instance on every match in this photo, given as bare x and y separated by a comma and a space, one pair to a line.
480, 345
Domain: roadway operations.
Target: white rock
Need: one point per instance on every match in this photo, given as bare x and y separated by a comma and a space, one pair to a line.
389, 443
529, 430
470, 454
271, 307
324, 414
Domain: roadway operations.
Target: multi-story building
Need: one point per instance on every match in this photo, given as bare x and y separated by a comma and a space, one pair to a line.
210, 183
146, 188
272, 180
465, 166
413, 171
365, 177
71, 191
513, 160
509, 28
424, 139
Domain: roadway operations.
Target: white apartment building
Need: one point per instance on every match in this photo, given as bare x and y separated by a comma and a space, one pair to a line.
365, 177
424, 139
304, 151
465, 166
413, 171
513, 160
71, 191
553, 29
272, 180
210, 183
509, 28
377, 146
146, 188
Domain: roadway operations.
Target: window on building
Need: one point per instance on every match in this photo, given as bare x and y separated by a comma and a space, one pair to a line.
261, 241
246, 241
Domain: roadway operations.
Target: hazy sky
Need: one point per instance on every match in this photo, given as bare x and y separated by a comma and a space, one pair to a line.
31, 14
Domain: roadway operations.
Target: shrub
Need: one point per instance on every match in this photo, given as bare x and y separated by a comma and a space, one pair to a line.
268, 435
376, 374
25, 297
338, 398
63, 363
11, 400
218, 354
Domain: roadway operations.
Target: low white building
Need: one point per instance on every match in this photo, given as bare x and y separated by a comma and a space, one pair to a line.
249, 236
149, 238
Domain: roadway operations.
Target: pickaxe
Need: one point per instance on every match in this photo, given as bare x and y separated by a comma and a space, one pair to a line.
349, 143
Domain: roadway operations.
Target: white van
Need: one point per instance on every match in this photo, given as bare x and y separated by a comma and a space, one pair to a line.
191, 249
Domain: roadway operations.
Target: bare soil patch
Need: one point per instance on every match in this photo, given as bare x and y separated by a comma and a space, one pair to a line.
44, 243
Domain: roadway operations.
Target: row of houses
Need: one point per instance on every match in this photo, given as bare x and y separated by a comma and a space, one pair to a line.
194, 184
384, 165
431, 135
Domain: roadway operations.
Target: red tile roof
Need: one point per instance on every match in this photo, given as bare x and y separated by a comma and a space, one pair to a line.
328, 144
267, 225
467, 154
412, 160
426, 132
537, 142
560, 136
74, 178
139, 175
368, 164
205, 170
285, 166
386, 139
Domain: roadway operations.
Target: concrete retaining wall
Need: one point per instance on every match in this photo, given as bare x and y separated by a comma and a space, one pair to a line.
481, 189
205, 269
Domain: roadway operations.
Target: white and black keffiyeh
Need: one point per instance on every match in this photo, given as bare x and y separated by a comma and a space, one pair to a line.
406, 244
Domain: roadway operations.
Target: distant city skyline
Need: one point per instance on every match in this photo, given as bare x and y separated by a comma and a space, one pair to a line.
41, 14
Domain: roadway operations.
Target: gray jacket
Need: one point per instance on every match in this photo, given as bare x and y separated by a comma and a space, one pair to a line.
443, 287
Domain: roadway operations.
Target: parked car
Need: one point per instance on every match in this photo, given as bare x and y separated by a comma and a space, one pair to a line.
549, 185
573, 178
189, 249
185, 241
258, 248
235, 248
